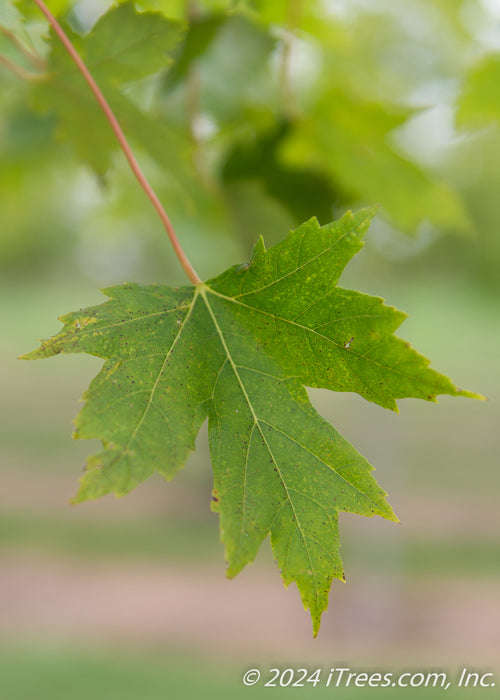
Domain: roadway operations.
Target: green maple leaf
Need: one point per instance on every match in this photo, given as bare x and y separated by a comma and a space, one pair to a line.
479, 103
240, 348
351, 138
123, 46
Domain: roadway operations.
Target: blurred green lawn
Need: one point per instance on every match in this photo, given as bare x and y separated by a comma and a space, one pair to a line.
80, 674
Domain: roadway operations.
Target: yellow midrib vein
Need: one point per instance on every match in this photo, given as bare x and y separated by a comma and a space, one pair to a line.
257, 423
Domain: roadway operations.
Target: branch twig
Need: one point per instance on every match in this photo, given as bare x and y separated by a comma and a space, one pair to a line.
35, 60
186, 265
19, 70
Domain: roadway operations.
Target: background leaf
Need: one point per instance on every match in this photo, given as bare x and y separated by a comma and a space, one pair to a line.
123, 46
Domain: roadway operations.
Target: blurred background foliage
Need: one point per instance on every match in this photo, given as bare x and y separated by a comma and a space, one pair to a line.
248, 117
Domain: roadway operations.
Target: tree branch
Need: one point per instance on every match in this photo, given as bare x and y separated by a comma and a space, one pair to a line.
186, 265
35, 60
19, 70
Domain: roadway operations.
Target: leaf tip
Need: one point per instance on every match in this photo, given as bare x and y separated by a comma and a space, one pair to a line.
366, 213
258, 249
391, 405
76, 500
107, 291
46, 349
471, 395
359, 222
231, 571
372, 209
393, 517
316, 622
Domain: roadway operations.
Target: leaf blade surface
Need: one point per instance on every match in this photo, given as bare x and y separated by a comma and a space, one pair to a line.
241, 348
